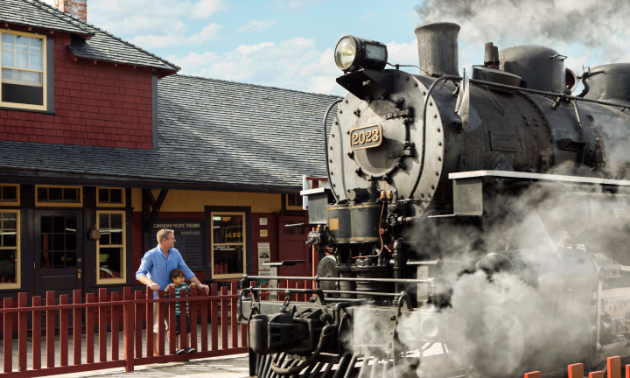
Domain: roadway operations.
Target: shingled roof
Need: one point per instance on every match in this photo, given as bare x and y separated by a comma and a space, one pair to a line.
101, 45
211, 132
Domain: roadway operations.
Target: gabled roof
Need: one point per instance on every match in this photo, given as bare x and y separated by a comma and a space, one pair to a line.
102, 46
211, 132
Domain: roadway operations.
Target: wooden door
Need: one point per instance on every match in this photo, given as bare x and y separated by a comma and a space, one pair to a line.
58, 252
293, 246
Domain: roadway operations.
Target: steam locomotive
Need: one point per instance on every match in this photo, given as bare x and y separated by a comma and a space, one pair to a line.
487, 214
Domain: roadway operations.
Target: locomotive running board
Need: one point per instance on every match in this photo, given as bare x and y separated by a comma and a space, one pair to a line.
537, 176
468, 186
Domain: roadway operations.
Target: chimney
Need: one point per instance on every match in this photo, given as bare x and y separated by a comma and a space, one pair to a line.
437, 48
76, 8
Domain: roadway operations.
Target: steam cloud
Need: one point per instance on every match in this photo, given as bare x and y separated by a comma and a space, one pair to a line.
599, 26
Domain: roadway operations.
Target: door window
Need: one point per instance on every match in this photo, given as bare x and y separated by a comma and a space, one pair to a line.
9, 249
58, 237
228, 244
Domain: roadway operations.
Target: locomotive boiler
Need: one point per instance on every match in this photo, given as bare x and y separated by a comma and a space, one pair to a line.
487, 214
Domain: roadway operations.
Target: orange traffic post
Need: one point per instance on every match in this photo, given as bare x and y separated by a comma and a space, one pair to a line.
614, 367
576, 371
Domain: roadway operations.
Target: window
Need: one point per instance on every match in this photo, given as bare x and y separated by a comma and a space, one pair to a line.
228, 244
66, 196
59, 242
10, 195
111, 197
9, 249
23, 62
111, 251
294, 202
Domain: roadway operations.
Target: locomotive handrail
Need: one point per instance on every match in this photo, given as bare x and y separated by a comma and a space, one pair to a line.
347, 279
290, 291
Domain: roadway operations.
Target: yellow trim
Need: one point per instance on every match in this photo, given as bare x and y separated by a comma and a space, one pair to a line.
17, 197
59, 204
124, 198
123, 269
44, 75
286, 203
243, 244
18, 271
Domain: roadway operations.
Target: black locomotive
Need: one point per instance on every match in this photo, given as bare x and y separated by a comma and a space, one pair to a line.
489, 215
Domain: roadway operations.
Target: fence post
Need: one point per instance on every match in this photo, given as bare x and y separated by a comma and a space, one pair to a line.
63, 332
614, 367
172, 338
193, 318
214, 315
50, 330
224, 318
7, 332
138, 321
76, 328
22, 331
183, 324
204, 323
233, 322
161, 311
576, 371
89, 329
115, 325
102, 325
37, 334
128, 330
149, 323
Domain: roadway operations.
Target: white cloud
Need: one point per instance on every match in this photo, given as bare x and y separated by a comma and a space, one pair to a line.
207, 34
255, 26
294, 63
295, 4
370, 15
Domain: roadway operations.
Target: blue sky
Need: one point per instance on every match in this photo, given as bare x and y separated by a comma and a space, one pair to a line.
290, 43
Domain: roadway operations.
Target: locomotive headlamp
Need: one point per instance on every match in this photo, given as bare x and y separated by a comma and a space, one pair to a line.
354, 53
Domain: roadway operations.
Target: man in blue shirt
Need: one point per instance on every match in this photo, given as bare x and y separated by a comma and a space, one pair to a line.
156, 266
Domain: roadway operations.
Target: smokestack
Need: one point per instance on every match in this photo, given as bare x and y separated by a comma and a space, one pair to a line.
437, 48
76, 8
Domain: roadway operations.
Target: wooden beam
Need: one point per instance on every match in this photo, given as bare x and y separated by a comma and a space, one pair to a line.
156, 210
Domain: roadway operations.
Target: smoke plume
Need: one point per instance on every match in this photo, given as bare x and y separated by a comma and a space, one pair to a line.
596, 26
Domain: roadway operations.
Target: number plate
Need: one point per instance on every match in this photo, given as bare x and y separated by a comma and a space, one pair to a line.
366, 137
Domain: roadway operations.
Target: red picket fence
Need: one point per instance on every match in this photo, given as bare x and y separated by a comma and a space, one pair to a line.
129, 310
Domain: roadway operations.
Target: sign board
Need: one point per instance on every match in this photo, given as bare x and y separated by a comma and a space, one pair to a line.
264, 255
264, 233
189, 236
263, 221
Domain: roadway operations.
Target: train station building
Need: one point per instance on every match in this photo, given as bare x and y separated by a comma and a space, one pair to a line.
103, 143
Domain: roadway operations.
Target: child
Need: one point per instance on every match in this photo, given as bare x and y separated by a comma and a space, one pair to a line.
179, 282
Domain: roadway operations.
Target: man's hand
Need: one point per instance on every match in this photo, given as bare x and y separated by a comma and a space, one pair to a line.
154, 286
205, 287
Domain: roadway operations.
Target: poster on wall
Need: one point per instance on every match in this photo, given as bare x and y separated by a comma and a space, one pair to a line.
189, 235
264, 255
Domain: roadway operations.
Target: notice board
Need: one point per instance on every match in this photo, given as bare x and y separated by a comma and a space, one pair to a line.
189, 236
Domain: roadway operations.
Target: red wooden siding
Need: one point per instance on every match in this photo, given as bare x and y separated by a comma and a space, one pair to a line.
95, 104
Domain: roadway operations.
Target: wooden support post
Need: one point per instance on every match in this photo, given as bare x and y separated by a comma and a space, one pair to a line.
214, 314
161, 328
204, 323
193, 319
89, 329
138, 321
183, 324
233, 322
224, 318
172, 338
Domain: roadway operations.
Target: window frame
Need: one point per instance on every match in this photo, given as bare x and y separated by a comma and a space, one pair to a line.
18, 268
288, 207
17, 197
123, 269
45, 73
59, 204
243, 244
118, 205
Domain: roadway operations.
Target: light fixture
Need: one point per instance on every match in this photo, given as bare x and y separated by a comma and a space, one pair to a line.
354, 53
